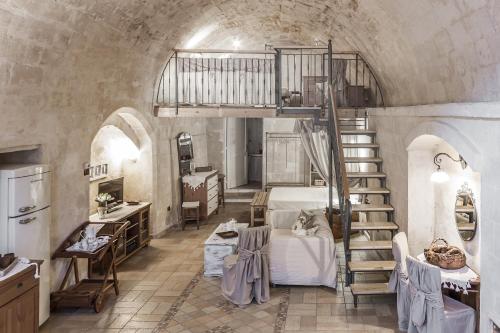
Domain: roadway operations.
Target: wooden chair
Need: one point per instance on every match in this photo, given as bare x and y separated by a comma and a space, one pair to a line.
191, 212
259, 202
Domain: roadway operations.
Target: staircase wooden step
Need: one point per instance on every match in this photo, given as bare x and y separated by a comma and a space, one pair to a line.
366, 175
371, 266
370, 245
360, 289
369, 190
363, 160
372, 208
360, 226
360, 145
357, 132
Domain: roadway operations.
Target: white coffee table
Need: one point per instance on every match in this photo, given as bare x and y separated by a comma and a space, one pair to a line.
216, 248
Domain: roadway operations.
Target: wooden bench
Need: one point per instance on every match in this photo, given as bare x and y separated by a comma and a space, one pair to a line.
259, 201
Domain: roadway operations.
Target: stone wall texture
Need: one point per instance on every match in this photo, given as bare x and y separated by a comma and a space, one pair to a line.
67, 65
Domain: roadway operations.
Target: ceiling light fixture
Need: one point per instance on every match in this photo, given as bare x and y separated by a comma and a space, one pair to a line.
440, 176
236, 44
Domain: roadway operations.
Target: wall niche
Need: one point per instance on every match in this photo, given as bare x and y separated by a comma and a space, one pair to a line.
431, 204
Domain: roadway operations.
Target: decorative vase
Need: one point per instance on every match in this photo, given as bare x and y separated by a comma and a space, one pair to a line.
101, 210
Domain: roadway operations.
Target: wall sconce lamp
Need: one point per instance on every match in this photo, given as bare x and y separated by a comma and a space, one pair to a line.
440, 176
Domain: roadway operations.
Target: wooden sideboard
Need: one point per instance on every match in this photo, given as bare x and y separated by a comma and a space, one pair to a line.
136, 236
19, 302
206, 194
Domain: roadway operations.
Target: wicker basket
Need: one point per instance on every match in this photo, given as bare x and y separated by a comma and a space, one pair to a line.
444, 255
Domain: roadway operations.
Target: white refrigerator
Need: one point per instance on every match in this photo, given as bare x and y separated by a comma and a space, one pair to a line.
25, 220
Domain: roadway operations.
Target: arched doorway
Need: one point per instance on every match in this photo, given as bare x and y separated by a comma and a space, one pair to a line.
122, 147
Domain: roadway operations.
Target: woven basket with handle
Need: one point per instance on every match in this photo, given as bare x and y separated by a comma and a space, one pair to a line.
445, 256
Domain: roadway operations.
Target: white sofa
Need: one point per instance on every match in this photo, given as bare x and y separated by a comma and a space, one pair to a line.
294, 260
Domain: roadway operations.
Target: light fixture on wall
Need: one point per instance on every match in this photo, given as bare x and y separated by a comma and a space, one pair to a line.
440, 176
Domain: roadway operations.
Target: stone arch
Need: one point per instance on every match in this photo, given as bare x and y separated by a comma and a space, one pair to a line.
431, 206
140, 175
451, 135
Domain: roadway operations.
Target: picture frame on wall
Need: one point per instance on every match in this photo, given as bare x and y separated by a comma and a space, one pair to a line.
97, 170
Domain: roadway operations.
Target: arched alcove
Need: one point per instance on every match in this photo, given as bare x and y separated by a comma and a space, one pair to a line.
123, 144
431, 205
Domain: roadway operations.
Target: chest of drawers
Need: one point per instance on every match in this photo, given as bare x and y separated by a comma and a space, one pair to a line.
206, 193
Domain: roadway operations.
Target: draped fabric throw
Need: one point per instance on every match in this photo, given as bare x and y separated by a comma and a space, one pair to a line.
427, 309
246, 275
399, 279
430, 311
316, 145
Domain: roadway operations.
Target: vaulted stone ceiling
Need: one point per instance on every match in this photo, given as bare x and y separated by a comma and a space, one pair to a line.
426, 51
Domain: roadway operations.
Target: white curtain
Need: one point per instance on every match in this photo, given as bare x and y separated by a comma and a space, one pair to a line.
316, 145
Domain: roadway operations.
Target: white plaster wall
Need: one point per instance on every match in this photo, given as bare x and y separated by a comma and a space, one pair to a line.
168, 184
472, 129
215, 143
421, 217
431, 206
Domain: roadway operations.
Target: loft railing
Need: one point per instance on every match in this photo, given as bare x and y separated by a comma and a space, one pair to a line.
214, 78
304, 79
204, 78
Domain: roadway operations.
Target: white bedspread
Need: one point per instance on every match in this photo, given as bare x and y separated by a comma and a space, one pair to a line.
308, 261
300, 198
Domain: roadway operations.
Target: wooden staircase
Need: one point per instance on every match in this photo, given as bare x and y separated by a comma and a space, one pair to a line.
375, 203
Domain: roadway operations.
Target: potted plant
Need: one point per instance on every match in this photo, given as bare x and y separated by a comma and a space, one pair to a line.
102, 200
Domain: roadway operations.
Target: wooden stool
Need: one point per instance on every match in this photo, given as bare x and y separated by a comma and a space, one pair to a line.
259, 201
191, 212
220, 193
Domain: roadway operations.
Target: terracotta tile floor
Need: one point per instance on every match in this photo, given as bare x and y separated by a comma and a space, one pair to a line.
163, 290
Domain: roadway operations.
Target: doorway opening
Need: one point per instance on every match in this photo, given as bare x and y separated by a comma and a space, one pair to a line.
243, 156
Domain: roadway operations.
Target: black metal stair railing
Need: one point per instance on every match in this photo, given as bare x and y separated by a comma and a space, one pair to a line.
337, 163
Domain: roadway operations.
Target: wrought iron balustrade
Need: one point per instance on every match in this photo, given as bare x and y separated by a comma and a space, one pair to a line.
283, 77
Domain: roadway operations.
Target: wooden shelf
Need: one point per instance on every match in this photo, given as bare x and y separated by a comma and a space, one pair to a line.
133, 226
138, 231
131, 239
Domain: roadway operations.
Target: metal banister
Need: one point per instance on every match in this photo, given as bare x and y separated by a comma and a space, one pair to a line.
337, 155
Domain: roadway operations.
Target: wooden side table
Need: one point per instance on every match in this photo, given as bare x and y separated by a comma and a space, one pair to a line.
88, 292
259, 202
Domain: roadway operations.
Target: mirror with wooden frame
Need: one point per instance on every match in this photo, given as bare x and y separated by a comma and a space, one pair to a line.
466, 213
185, 151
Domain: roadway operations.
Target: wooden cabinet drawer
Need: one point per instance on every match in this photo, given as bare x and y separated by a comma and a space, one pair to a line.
212, 193
17, 286
21, 314
212, 181
19, 303
212, 205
